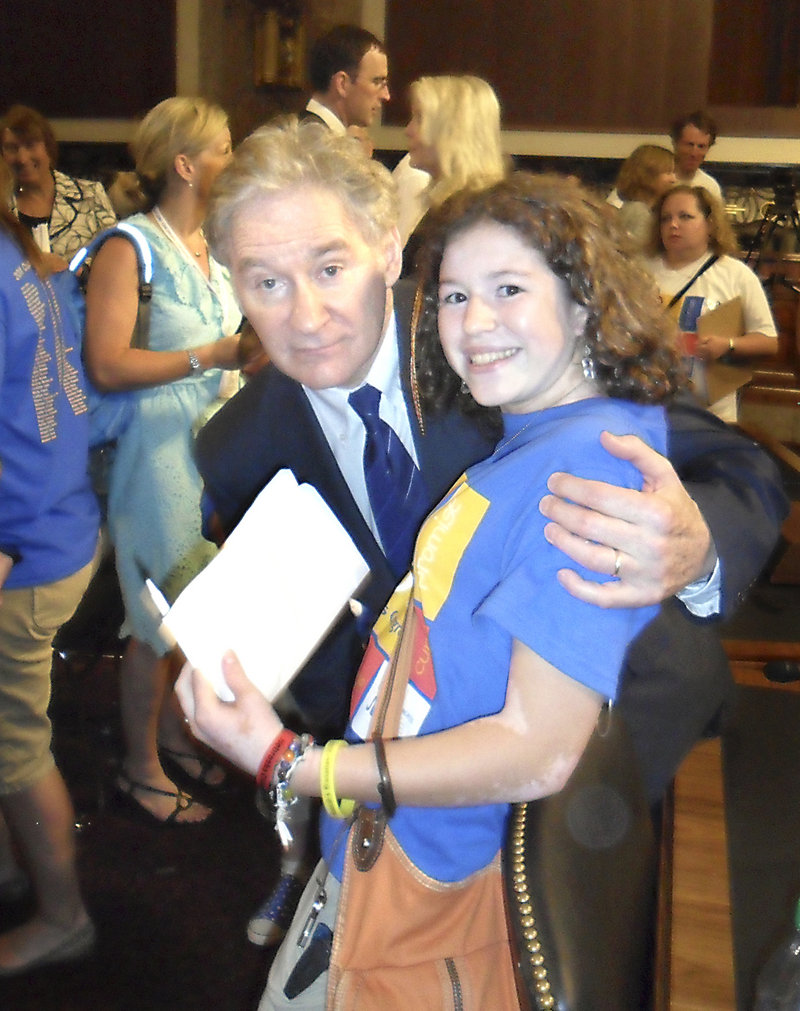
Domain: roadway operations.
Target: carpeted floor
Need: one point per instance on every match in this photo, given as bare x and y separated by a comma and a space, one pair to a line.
170, 905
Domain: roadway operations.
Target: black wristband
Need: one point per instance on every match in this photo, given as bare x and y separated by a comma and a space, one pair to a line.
388, 803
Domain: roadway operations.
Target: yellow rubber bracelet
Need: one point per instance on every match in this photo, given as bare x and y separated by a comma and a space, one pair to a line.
336, 808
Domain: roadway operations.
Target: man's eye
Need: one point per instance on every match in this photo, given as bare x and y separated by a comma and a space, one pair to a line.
268, 283
332, 270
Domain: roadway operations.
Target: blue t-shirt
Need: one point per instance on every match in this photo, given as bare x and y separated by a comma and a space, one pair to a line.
484, 575
48, 512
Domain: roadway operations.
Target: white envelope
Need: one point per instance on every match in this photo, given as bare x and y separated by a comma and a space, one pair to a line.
272, 592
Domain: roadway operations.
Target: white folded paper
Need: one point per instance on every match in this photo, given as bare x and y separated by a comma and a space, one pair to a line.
271, 593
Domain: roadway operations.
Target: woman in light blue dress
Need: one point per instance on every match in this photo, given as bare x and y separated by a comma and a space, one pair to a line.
154, 496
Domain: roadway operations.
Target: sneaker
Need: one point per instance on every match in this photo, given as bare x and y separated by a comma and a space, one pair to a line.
271, 921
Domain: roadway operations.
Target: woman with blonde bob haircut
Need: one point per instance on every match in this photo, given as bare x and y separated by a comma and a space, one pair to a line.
454, 136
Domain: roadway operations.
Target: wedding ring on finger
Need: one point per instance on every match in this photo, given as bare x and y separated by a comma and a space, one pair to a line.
617, 562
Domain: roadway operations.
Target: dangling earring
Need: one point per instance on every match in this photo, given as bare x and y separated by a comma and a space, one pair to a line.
587, 364
464, 387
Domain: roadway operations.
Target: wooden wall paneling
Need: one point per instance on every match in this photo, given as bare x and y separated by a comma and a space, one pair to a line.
576, 64
687, 51
448, 37
109, 60
738, 54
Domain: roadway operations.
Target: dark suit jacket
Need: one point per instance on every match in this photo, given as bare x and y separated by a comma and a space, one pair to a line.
310, 117
677, 675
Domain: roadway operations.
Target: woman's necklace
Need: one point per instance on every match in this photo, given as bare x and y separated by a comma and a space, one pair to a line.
173, 236
184, 250
505, 443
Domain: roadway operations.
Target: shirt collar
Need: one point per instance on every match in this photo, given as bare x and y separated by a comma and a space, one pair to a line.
328, 117
384, 373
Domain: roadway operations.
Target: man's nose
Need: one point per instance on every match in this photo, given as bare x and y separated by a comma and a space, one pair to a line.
308, 309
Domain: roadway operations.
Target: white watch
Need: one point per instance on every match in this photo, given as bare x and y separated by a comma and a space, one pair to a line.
195, 368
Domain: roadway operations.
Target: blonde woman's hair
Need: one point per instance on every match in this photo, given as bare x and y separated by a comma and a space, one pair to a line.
640, 170
460, 119
175, 126
287, 155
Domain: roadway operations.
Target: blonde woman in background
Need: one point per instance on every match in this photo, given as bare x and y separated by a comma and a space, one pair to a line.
646, 174
180, 148
454, 136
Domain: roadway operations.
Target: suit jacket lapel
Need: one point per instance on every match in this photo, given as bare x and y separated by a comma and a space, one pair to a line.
324, 474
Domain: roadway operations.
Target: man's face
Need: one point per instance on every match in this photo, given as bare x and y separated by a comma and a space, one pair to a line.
691, 149
364, 94
315, 291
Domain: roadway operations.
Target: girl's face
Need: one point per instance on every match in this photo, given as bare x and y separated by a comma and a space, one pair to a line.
685, 230
421, 155
508, 326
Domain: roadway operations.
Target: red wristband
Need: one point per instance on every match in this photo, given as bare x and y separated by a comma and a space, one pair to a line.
272, 756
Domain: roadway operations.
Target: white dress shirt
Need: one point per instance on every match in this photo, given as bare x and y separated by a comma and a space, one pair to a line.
345, 431
329, 118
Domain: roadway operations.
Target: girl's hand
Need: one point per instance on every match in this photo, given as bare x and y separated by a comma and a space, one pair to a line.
240, 731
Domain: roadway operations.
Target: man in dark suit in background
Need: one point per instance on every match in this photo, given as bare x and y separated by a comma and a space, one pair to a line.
307, 228
349, 79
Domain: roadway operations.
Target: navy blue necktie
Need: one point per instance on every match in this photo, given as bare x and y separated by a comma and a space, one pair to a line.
396, 489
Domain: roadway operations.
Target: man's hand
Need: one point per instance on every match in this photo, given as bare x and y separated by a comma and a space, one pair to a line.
658, 535
241, 730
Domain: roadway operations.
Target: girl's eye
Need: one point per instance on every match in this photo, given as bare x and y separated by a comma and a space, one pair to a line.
453, 298
509, 290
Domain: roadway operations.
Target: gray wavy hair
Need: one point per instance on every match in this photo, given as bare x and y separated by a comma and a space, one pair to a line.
287, 155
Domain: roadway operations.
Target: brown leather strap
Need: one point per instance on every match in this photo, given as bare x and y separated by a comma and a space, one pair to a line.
366, 840
386, 721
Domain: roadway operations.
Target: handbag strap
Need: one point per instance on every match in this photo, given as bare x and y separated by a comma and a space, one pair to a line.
81, 262
709, 263
369, 829
386, 721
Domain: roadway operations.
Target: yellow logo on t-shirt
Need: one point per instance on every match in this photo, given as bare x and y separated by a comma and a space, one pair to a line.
442, 541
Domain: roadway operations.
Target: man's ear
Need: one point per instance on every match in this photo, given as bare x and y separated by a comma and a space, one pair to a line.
340, 83
392, 256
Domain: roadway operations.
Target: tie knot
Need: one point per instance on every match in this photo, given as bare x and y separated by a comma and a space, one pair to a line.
365, 401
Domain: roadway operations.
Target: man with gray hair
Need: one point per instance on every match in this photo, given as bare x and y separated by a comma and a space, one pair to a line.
306, 225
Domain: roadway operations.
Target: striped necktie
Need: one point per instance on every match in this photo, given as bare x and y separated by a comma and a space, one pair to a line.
396, 488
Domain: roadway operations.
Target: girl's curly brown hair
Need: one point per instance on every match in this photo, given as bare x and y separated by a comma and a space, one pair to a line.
628, 335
